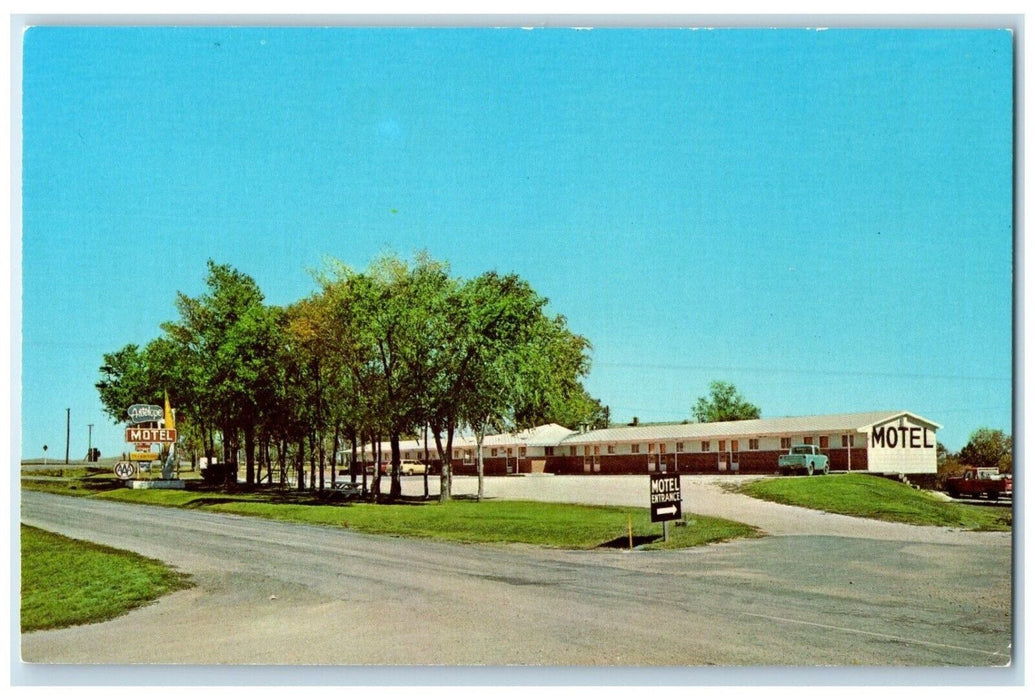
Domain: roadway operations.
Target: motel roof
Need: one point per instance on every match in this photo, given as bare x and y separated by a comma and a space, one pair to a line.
797, 425
553, 434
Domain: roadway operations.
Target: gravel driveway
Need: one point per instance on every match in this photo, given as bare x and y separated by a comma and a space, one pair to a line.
704, 495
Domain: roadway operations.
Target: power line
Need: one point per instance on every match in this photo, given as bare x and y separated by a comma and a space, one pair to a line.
826, 373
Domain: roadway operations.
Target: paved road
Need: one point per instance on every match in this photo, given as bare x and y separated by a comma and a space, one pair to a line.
278, 593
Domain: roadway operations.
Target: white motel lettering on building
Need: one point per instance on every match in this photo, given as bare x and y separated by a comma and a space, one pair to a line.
911, 437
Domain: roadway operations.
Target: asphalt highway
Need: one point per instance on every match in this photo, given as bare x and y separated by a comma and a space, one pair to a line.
278, 593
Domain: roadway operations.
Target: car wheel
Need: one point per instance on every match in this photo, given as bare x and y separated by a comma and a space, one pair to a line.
809, 468
826, 469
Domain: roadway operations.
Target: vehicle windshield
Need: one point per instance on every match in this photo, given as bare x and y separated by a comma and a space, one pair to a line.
801, 450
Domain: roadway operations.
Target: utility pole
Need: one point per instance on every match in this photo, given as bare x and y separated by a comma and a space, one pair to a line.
68, 430
89, 443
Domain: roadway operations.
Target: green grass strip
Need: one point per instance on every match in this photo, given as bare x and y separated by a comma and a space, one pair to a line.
69, 582
878, 498
561, 525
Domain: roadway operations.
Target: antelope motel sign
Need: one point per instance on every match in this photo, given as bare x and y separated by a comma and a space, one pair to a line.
145, 413
150, 435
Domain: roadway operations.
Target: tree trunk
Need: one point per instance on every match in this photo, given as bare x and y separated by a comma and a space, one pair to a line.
446, 479
396, 491
312, 461
334, 456
282, 459
319, 441
300, 463
427, 463
249, 455
479, 436
352, 464
375, 449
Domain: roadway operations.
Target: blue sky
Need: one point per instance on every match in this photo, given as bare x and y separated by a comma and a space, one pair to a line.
823, 218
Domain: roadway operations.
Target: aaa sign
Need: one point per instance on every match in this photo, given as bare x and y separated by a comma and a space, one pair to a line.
150, 435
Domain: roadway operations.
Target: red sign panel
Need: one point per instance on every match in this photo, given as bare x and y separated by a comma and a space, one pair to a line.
150, 435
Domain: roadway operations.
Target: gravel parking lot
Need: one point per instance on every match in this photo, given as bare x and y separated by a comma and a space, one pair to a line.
702, 494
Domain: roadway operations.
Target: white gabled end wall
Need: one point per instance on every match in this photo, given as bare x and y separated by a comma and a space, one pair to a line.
903, 445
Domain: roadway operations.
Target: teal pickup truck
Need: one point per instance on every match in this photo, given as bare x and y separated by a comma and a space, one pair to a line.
804, 458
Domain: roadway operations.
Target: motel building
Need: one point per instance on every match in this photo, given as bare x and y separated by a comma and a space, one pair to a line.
886, 442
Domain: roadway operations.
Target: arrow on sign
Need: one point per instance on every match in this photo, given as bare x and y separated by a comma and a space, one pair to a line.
667, 510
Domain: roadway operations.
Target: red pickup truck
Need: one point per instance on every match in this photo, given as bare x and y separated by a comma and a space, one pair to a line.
976, 483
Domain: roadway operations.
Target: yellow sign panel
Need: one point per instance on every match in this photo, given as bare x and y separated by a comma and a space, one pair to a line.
143, 456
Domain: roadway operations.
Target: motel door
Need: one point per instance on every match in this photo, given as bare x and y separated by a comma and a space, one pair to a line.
734, 455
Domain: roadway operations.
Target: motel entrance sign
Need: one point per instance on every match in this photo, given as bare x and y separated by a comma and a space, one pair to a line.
666, 500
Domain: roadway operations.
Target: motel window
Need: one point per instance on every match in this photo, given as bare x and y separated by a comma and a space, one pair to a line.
610, 449
735, 446
824, 442
596, 450
573, 451
706, 446
495, 452
650, 448
510, 451
406, 455
785, 443
679, 447
722, 445
753, 444
807, 441
847, 440
522, 451
549, 450
636, 449
456, 454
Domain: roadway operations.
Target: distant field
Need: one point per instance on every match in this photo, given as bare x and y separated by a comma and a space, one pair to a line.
67, 582
875, 497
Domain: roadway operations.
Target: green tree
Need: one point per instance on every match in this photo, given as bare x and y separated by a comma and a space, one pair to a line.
723, 403
124, 381
230, 339
497, 316
988, 449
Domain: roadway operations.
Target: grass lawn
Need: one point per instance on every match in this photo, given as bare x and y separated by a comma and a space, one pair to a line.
69, 582
567, 526
879, 498
561, 525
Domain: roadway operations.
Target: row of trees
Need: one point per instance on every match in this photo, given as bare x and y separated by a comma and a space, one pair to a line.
401, 349
987, 448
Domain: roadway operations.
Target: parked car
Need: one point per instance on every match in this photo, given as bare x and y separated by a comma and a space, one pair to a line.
410, 467
349, 489
976, 483
804, 458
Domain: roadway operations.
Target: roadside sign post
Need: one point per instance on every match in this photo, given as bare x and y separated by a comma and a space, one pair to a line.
666, 500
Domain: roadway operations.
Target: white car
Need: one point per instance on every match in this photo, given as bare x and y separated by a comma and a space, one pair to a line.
409, 468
